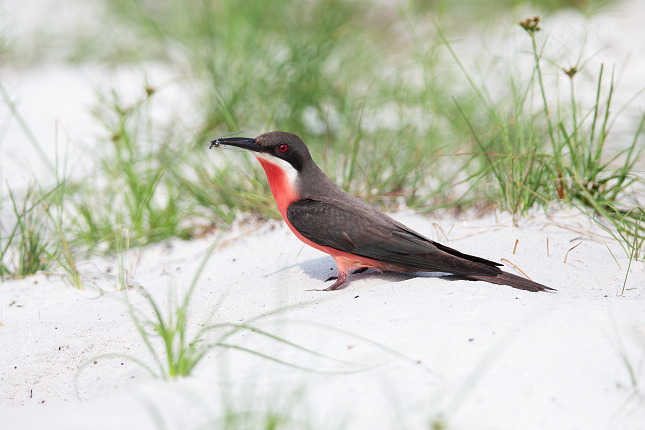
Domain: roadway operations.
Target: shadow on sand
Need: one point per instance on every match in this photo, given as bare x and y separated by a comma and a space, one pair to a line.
324, 268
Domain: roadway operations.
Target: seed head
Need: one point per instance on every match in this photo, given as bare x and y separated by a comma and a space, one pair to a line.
571, 71
531, 25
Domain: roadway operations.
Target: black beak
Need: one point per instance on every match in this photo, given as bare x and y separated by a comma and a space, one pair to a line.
240, 142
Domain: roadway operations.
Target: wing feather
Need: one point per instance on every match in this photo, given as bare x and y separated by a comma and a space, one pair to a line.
366, 232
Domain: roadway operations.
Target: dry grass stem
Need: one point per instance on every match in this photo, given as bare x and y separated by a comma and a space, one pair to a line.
571, 249
517, 268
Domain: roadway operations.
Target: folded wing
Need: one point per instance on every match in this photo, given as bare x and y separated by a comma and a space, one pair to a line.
366, 232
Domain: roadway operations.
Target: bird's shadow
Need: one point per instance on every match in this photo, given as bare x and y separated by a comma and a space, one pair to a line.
323, 268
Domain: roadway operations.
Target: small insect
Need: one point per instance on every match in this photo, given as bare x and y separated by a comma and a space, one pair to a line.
216, 143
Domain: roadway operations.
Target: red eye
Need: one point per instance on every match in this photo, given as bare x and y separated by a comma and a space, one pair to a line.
283, 148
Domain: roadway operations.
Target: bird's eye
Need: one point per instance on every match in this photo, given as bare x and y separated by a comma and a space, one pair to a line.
283, 148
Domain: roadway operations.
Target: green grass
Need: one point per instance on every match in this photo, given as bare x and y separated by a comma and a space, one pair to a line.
177, 343
558, 155
25, 241
133, 188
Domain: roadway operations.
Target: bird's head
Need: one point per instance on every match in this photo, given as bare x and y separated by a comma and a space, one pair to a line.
291, 172
286, 150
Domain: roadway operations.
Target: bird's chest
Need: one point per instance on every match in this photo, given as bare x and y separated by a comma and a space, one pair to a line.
282, 184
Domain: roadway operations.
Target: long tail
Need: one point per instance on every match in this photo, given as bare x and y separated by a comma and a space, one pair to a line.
511, 280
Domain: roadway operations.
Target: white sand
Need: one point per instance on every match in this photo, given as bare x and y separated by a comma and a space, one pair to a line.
483, 356
491, 356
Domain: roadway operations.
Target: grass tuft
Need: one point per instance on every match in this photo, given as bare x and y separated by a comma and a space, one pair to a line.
133, 188
175, 347
529, 159
25, 241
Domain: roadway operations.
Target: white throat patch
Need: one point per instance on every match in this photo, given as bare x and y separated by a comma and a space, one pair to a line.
289, 170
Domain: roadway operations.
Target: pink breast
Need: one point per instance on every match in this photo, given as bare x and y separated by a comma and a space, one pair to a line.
284, 194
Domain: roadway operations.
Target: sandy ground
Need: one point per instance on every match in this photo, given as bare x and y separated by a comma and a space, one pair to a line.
403, 351
483, 356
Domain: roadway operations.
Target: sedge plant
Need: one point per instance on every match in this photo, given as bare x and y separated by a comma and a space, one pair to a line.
176, 349
559, 155
24, 243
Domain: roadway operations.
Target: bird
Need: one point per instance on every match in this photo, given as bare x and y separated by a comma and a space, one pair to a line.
354, 233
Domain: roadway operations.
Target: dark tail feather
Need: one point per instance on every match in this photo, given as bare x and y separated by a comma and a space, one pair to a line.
511, 280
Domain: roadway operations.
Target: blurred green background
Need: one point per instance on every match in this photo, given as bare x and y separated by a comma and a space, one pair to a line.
400, 102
